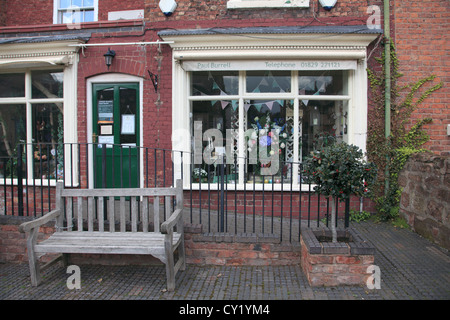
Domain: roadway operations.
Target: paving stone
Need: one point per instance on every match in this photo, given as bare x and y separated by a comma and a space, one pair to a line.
411, 268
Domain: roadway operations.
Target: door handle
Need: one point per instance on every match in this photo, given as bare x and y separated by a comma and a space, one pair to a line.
94, 137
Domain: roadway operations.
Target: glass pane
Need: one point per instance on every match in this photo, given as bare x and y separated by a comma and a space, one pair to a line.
215, 83
12, 85
88, 3
48, 136
88, 16
47, 84
12, 128
128, 116
77, 3
323, 82
322, 123
217, 121
268, 81
64, 4
268, 132
105, 115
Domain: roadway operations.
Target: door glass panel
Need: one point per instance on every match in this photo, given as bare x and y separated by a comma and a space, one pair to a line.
128, 118
105, 115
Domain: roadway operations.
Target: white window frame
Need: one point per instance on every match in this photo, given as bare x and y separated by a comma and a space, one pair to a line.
253, 4
25, 58
112, 78
265, 47
57, 11
294, 96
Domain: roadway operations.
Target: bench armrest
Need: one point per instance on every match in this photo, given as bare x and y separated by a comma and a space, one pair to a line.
172, 221
27, 226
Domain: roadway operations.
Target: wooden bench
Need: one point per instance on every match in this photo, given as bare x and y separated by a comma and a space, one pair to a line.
86, 222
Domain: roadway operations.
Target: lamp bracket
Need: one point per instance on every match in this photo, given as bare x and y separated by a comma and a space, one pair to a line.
154, 78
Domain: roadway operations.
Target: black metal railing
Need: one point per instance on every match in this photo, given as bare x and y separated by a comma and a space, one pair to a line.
225, 196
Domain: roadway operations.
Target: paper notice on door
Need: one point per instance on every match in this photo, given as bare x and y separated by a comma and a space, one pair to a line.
106, 129
108, 140
128, 124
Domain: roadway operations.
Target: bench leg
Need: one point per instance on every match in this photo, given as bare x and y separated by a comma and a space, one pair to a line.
65, 259
35, 272
170, 265
182, 255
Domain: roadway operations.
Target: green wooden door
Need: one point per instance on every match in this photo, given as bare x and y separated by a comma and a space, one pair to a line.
116, 133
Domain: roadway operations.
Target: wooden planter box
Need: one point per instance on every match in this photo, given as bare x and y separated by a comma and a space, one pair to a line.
333, 264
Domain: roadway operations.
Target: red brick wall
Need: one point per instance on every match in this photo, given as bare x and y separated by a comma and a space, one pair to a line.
34, 12
132, 60
205, 14
20, 12
13, 244
2, 12
105, 6
421, 29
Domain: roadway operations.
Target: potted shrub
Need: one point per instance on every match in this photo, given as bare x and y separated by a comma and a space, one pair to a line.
338, 171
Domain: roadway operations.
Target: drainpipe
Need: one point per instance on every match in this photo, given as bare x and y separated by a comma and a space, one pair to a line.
387, 93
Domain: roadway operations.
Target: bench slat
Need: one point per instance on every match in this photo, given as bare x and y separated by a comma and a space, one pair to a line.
144, 215
100, 214
111, 212
126, 192
122, 214
156, 214
91, 211
103, 242
134, 213
69, 214
80, 213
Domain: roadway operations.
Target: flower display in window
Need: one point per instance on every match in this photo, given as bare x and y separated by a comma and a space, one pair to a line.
271, 134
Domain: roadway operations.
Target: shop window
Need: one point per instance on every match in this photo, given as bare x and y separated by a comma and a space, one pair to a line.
31, 115
262, 126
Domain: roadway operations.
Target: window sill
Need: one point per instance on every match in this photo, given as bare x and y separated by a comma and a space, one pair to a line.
231, 187
30, 183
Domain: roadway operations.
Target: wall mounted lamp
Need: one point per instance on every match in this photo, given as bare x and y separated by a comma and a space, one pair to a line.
328, 4
109, 56
154, 78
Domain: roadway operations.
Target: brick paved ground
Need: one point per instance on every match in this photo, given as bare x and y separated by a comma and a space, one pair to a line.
411, 268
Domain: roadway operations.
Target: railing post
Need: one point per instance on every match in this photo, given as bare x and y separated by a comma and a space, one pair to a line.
19, 180
222, 196
103, 165
347, 213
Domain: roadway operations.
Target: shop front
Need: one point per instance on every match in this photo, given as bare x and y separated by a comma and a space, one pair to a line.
259, 100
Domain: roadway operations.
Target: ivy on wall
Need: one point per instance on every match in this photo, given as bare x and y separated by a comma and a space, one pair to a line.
392, 152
